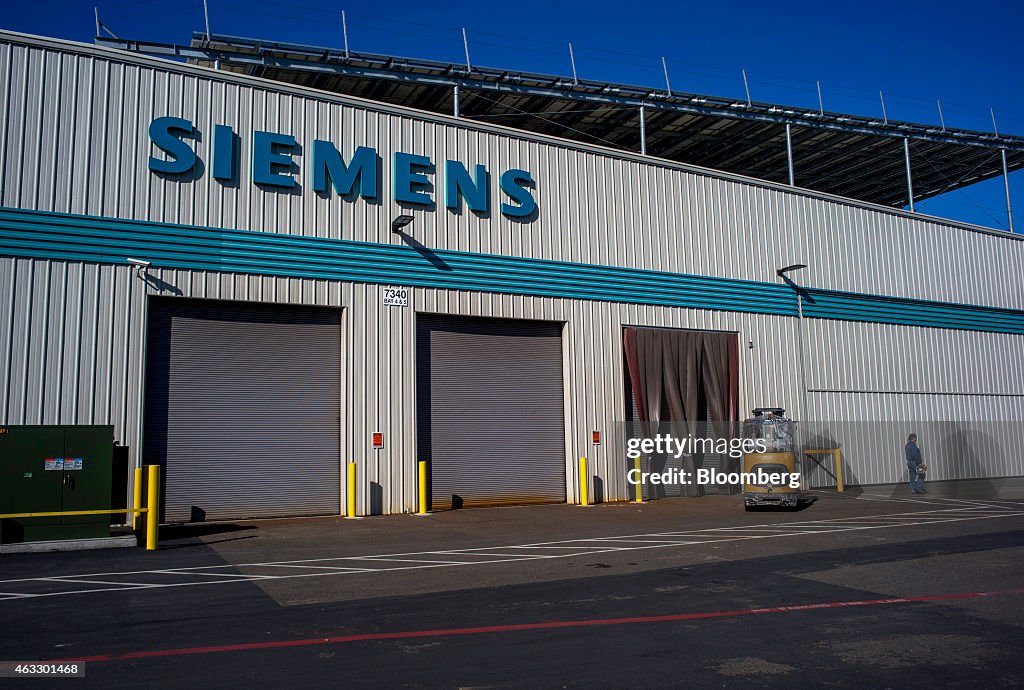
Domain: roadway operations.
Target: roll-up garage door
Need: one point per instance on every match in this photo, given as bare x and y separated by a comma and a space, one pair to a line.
243, 408
490, 410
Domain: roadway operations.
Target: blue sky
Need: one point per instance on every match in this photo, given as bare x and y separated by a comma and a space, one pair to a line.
968, 55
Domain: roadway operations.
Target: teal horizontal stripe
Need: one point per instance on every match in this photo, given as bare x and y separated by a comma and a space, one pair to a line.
69, 237
106, 240
849, 306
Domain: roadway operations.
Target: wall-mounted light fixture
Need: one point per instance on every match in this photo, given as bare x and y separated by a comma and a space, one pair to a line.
795, 267
400, 222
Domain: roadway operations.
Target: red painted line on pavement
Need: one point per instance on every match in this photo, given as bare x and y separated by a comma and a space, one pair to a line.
544, 625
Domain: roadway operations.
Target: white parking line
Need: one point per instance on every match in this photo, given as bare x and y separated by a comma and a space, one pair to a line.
984, 504
96, 582
310, 567
240, 575
403, 560
615, 540
574, 547
780, 528
516, 557
578, 546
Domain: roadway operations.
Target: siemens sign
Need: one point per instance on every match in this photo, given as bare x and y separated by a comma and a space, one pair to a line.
273, 163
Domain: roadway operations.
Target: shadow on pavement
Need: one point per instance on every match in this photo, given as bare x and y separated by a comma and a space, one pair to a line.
192, 534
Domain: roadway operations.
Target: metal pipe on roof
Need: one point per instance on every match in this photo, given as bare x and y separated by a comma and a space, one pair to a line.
910, 181
206, 15
821, 103
465, 44
100, 26
643, 135
344, 31
1006, 185
789, 153
572, 59
664, 66
885, 116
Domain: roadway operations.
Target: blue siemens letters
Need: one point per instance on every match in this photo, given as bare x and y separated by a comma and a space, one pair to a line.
165, 133
275, 164
327, 162
457, 182
412, 186
272, 159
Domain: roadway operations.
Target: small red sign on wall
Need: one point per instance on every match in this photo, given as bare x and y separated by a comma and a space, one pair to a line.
596, 436
378, 439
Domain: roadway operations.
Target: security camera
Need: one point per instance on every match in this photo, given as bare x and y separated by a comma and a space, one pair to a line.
138, 263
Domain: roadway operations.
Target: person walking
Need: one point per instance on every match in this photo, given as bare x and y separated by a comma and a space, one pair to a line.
914, 463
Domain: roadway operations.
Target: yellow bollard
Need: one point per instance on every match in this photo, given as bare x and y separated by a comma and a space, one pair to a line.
153, 507
837, 454
423, 487
137, 500
584, 497
639, 485
350, 493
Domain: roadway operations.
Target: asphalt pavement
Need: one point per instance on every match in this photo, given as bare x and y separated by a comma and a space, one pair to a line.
870, 588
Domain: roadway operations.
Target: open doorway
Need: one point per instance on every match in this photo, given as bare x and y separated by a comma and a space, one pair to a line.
685, 383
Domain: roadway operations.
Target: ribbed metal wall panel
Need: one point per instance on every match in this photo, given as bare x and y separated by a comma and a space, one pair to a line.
77, 238
882, 358
76, 141
99, 378
73, 140
49, 235
856, 249
594, 377
961, 436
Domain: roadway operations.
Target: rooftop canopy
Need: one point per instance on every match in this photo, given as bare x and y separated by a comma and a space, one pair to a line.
847, 155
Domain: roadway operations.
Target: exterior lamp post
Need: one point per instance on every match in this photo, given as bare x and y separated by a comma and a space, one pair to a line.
782, 273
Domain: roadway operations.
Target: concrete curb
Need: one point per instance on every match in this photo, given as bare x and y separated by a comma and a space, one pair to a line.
121, 542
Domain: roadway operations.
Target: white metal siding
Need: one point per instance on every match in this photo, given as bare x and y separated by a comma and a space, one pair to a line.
74, 139
961, 437
98, 380
883, 358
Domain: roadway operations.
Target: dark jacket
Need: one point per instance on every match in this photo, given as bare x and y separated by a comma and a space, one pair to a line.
913, 453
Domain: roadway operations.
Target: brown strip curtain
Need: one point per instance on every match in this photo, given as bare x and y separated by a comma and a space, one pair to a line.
673, 370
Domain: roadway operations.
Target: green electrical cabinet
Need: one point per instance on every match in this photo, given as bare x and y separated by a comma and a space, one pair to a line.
47, 469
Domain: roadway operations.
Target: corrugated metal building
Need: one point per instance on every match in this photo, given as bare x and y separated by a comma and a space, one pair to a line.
255, 355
